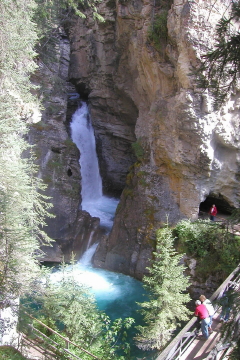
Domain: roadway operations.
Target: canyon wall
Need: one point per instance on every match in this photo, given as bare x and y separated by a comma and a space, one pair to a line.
160, 143
58, 160
141, 94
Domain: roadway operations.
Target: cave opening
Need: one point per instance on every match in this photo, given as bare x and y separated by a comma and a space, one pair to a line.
223, 206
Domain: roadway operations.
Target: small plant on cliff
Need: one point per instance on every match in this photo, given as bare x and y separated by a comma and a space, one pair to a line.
167, 286
158, 32
138, 150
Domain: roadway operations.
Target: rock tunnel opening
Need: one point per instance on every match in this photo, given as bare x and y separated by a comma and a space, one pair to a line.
223, 207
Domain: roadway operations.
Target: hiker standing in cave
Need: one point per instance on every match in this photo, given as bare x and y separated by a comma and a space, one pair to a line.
213, 212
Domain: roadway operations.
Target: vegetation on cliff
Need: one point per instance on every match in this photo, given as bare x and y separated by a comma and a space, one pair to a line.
158, 31
215, 247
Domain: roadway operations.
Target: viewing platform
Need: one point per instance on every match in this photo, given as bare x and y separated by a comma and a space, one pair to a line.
187, 346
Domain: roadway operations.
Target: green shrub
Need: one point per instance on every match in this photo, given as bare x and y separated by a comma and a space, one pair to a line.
128, 192
9, 353
158, 32
138, 150
216, 249
69, 142
196, 236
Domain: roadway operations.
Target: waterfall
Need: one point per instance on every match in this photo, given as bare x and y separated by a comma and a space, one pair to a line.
93, 201
115, 293
83, 136
87, 256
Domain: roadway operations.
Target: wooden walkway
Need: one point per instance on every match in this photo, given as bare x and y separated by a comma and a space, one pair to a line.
187, 346
200, 349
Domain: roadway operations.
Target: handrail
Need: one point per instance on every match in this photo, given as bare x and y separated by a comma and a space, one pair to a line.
62, 337
53, 348
176, 344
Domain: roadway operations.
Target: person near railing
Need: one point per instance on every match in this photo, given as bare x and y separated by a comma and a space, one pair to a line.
210, 309
226, 301
202, 313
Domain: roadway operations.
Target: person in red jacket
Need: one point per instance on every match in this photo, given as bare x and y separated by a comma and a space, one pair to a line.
202, 313
213, 212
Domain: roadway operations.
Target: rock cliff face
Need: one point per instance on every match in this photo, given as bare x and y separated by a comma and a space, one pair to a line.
186, 153
160, 143
58, 160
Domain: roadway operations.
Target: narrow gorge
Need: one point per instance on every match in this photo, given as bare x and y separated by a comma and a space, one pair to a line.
161, 146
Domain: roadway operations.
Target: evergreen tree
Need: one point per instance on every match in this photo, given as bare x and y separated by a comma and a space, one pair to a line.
165, 309
221, 66
23, 205
68, 307
27, 26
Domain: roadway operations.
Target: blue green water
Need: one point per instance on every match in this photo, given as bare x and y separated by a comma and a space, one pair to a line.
116, 294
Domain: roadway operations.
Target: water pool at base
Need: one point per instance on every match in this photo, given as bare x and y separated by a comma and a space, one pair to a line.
116, 294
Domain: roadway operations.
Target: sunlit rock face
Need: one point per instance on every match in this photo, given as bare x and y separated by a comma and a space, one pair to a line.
187, 152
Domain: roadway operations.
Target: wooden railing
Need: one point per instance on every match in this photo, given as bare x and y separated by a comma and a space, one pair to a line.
180, 344
50, 344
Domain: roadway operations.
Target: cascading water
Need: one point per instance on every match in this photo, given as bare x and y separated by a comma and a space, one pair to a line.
115, 293
93, 200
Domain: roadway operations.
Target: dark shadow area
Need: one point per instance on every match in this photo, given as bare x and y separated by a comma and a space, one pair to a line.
222, 205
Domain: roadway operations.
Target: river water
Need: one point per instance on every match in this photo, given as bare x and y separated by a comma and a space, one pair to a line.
116, 294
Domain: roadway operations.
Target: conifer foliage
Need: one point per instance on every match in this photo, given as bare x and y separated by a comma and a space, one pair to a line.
23, 206
220, 69
27, 26
69, 308
167, 286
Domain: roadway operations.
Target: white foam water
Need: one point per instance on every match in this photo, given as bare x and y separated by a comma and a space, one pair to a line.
93, 201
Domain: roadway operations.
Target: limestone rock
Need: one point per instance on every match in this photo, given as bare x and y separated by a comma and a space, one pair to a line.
139, 94
147, 96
